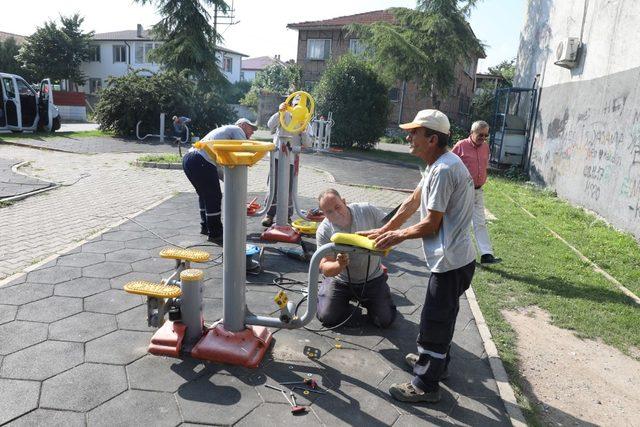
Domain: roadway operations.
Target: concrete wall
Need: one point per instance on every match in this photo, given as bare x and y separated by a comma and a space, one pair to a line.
586, 143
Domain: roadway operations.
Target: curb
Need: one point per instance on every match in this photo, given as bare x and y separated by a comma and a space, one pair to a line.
38, 147
158, 165
499, 373
14, 169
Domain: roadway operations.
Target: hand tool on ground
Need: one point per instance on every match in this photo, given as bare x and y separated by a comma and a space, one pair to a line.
307, 390
306, 381
295, 408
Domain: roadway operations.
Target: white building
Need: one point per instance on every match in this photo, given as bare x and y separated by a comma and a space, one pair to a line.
114, 54
250, 66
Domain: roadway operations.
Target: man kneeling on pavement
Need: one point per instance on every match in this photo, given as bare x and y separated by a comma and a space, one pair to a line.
356, 277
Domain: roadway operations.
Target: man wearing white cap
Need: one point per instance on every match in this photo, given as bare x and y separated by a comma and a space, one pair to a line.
204, 175
445, 198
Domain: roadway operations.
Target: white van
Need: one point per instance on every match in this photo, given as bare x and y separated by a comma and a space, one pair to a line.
24, 109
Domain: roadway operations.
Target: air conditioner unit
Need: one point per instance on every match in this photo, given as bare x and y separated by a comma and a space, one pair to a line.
568, 52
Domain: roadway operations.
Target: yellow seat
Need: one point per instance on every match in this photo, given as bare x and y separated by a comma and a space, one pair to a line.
352, 239
150, 289
192, 255
231, 152
305, 227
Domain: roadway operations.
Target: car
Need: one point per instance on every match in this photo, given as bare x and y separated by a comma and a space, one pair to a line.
24, 109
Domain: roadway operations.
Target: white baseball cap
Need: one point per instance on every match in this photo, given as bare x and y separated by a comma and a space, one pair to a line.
430, 119
243, 120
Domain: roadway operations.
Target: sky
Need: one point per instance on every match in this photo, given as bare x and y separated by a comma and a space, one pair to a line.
260, 28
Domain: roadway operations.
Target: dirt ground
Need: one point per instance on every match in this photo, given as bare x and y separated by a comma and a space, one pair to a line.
575, 381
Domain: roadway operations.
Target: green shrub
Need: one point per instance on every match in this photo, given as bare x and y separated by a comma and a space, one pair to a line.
276, 78
358, 98
138, 97
233, 93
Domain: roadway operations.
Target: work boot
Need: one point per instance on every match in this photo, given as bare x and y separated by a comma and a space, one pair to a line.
489, 259
407, 392
204, 230
267, 221
217, 239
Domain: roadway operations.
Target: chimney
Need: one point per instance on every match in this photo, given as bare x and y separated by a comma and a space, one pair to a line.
139, 31
278, 57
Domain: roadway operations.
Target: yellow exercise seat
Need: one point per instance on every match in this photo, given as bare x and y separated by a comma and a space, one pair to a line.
305, 227
352, 239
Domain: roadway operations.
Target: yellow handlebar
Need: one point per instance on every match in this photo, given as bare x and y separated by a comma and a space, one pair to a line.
233, 152
301, 113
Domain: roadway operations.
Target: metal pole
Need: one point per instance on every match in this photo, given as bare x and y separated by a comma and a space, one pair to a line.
161, 127
282, 213
294, 189
234, 272
191, 305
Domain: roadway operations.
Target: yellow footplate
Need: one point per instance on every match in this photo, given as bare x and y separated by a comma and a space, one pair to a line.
351, 239
191, 255
150, 289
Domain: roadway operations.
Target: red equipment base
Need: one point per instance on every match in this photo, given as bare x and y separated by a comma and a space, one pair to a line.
281, 233
245, 348
167, 340
316, 218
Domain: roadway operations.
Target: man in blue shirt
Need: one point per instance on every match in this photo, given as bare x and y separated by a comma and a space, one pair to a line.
179, 126
203, 173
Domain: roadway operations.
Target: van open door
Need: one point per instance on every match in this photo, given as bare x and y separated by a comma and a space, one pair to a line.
11, 110
48, 112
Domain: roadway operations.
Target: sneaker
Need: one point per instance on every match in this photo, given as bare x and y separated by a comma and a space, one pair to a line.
406, 392
267, 221
204, 230
412, 359
489, 259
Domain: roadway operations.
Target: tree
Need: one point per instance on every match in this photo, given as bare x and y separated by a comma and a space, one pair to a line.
423, 45
8, 63
276, 78
358, 98
55, 52
506, 69
189, 40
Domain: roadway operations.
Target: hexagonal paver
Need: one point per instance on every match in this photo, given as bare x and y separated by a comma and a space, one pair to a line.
102, 246
17, 398
354, 406
143, 373
112, 301
139, 408
53, 275
134, 319
367, 368
83, 387
122, 235
42, 360
82, 287
7, 313
128, 255
48, 417
80, 259
119, 347
209, 400
82, 327
50, 309
24, 293
17, 335
272, 414
120, 281
106, 270
153, 265
145, 243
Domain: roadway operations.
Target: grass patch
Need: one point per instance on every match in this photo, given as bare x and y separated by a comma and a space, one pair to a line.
161, 158
48, 135
540, 270
4, 204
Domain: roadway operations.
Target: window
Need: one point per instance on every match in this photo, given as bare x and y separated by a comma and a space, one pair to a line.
8, 87
318, 49
119, 53
24, 89
143, 50
94, 53
228, 64
241, 76
469, 66
95, 85
356, 46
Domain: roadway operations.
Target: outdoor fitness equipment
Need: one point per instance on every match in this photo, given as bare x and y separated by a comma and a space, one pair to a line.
300, 115
240, 338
